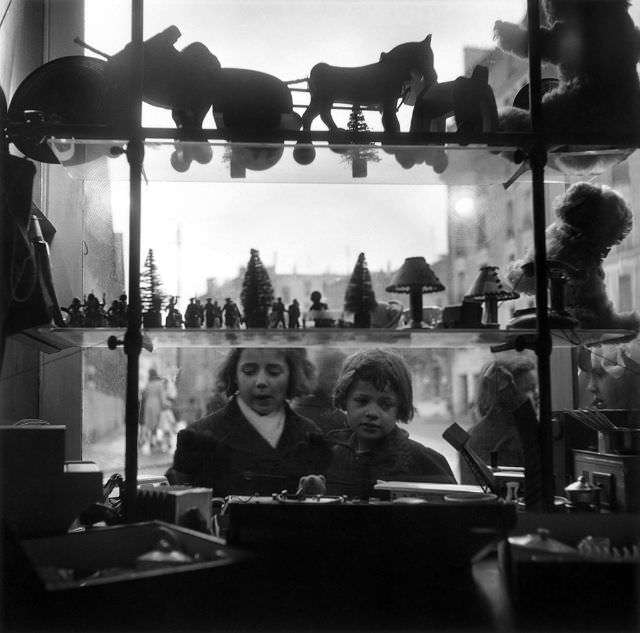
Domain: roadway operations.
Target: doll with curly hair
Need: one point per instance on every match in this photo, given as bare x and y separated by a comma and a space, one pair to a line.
591, 219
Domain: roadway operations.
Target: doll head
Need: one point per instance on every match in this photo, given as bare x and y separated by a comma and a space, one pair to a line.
383, 370
609, 376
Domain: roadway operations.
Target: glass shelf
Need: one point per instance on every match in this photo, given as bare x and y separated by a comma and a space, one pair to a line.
177, 161
56, 339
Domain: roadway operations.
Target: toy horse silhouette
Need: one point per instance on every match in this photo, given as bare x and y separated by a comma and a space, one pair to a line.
380, 84
469, 99
246, 103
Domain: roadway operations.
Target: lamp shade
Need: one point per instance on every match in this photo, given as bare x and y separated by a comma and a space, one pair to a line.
488, 285
415, 275
416, 278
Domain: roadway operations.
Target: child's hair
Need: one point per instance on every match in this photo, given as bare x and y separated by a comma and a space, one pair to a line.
381, 368
301, 371
517, 365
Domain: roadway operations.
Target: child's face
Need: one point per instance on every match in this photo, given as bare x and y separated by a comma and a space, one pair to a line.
263, 379
371, 413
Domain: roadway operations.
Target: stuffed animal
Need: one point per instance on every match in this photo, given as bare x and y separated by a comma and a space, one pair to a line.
596, 47
590, 220
311, 485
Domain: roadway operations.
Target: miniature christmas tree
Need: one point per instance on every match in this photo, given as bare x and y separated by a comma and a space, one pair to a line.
151, 295
257, 292
359, 298
359, 157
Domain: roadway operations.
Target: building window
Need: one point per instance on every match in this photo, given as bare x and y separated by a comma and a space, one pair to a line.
481, 235
510, 228
462, 279
625, 293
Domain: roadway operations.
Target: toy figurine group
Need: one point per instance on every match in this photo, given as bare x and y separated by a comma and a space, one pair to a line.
228, 315
92, 313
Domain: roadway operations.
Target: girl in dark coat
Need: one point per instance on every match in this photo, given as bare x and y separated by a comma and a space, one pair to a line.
256, 444
374, 388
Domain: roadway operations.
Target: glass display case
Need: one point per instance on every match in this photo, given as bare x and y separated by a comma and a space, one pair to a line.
198, 197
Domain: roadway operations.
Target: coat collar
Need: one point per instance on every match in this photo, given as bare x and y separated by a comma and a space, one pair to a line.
346, 437
240, 434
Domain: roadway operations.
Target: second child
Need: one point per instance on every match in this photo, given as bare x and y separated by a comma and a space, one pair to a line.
374, 389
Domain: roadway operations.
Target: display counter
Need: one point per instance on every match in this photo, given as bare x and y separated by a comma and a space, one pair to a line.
370, 571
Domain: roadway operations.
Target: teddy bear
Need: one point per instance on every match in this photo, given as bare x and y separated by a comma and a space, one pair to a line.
312, 485
595, 46
591, 219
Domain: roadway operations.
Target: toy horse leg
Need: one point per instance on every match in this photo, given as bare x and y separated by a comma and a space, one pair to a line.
325, 115
390, 121
312, 111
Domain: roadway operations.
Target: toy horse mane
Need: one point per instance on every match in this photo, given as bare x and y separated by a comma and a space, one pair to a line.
413, 55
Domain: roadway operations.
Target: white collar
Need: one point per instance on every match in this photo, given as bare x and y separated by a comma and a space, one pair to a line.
269, 426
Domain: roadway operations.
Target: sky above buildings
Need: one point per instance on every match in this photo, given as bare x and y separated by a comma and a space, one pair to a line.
203, 230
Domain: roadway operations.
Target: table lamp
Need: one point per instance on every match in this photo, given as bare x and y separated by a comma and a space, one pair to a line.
416, 278
489, 288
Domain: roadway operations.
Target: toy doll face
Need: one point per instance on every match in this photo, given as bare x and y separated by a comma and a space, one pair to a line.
371, 414
263, 378
609, 383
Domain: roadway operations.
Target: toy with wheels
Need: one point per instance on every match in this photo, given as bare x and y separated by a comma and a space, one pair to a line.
469, 99
246, 104
379, 85
65, 90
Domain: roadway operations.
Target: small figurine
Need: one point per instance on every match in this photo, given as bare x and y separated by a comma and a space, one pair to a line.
277, 314
112, 314
174, 316
94, 314
317, 310
192, 316
294, 314
117, 314
76, 313
231, 314
209, 310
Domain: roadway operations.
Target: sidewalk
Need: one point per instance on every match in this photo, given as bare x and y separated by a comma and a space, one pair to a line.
108, 454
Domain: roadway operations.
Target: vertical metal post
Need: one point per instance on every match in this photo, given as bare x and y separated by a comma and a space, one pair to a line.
537, 161
133, 336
